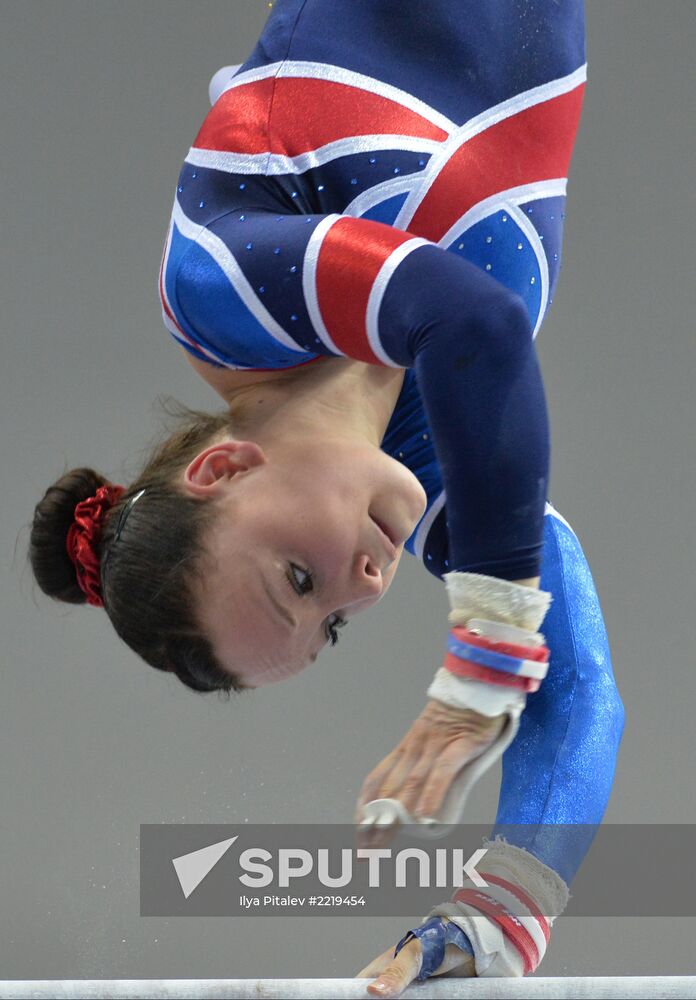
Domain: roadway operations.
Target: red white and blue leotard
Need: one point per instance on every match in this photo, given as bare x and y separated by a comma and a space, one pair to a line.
393, 191
385, 180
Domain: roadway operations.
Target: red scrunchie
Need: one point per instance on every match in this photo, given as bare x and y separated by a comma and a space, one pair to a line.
83, 536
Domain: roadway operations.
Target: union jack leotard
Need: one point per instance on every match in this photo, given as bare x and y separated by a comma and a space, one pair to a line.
355, 192
383, 180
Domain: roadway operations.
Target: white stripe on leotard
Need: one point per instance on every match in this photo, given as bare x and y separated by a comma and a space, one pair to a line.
224, 258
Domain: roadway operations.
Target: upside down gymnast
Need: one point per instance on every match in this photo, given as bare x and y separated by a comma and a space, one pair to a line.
383, 182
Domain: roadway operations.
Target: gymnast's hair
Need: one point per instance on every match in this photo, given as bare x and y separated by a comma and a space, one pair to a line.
147, 573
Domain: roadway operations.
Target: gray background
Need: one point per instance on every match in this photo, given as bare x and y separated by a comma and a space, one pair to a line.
100, 102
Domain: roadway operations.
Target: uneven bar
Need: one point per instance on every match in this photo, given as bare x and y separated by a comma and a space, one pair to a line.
572, 988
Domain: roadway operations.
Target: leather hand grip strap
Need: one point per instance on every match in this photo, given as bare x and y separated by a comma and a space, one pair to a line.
508, 923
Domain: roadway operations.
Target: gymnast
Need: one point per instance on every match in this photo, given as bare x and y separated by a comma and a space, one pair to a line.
365, 238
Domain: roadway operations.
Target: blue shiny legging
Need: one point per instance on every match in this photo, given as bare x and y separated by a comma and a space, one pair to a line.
558, 771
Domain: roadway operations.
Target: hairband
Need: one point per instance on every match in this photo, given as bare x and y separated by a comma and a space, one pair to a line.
85, 532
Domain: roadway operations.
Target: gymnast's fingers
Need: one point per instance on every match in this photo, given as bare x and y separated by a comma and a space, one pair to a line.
400, 760
372, 837
374, 780
414, 782
427, 798
377, 965
394, 974
411, 766
412, 773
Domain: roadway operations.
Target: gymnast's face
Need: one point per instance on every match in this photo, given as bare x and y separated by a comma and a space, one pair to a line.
295, 546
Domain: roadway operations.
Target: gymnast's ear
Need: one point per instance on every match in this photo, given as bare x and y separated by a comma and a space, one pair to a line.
211, 469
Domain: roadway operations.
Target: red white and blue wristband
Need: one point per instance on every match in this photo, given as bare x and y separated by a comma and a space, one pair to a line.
494, 660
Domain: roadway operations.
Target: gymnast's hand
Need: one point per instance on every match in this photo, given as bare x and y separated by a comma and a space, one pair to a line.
395, 974
419, 772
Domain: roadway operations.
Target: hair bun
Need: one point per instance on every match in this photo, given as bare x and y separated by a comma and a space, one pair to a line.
53, 515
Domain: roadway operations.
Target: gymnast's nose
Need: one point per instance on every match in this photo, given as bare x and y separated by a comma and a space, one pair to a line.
367, 580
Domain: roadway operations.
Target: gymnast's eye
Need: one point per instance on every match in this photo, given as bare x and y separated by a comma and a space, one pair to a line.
304, 586
331, 629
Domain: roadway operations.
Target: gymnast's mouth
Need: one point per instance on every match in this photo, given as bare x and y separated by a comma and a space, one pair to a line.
389, 536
